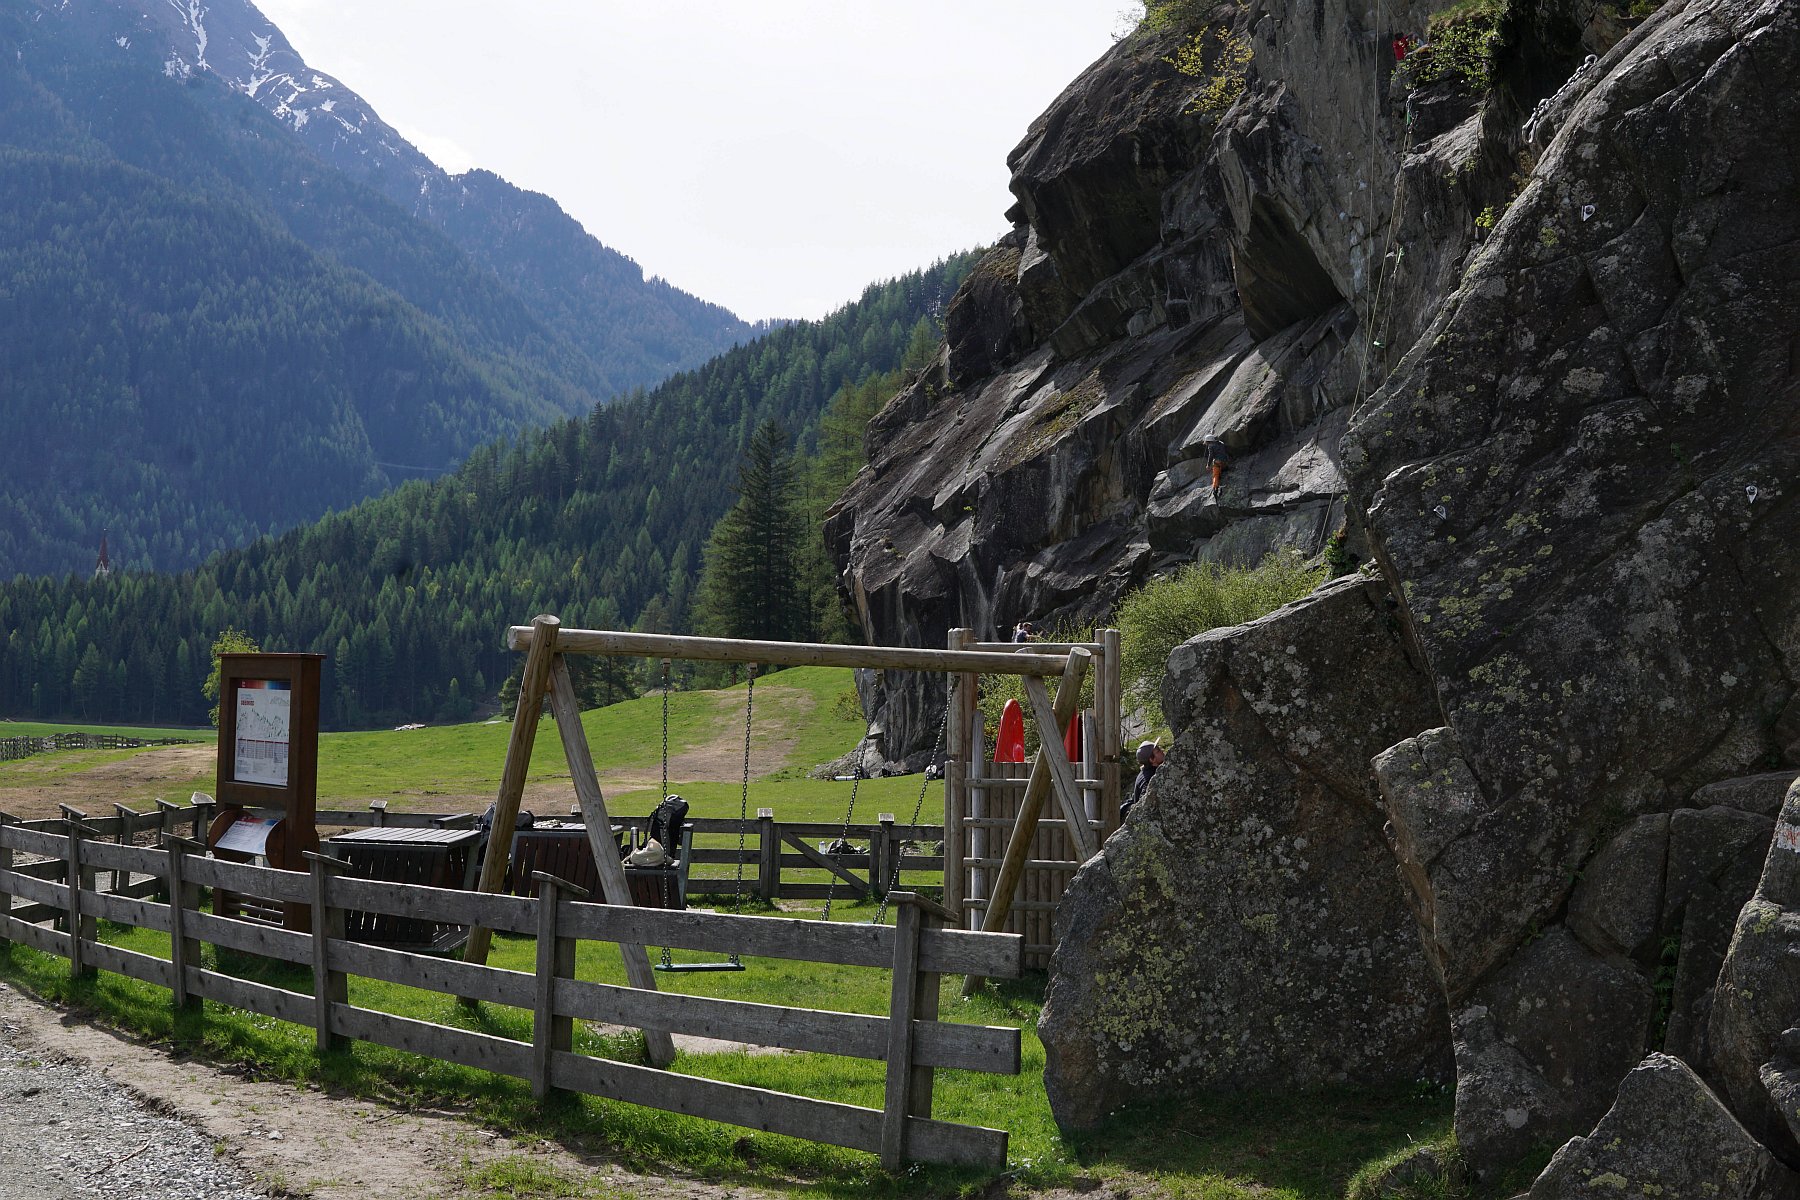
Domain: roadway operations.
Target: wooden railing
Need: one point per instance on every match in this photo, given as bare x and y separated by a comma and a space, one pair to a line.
909, 1039
24, 747
772, 851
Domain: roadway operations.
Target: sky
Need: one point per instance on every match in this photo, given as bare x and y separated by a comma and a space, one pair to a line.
773, 156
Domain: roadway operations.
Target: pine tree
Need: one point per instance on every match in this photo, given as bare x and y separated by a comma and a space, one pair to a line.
751, 587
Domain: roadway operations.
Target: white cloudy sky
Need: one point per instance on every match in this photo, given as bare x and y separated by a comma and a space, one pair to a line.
774, 156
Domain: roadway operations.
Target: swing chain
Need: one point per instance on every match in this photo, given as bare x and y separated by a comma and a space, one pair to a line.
919, 807
843, 837
668, 959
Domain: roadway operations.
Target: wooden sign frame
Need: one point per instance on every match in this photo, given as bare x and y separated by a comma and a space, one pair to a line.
273, 701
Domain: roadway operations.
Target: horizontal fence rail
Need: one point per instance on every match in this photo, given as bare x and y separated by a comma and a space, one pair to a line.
54, 904
24, 747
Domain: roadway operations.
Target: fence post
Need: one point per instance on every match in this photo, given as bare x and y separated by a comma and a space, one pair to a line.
184, 951
121, 877
555, 960
329, 987
6, 864
768, 856
914, 998
378, 813
80, 927
881, 846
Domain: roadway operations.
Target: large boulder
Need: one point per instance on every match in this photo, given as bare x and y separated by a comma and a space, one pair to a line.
1245, 927
1580, 481
1666, 1135
1758, 995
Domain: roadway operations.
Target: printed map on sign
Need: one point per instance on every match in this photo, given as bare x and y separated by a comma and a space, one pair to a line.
262, 731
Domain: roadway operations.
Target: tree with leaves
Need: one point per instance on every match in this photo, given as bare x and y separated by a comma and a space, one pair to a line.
229, 641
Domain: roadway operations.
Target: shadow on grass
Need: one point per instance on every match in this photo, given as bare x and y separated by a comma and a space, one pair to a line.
1306, 1145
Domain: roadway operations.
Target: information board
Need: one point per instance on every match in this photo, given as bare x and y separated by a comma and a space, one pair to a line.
264, 730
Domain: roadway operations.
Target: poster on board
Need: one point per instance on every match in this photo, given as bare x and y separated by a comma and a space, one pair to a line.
263, 731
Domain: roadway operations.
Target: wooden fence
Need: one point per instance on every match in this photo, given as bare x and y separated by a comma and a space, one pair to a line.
772, 851
64, 886
24, 747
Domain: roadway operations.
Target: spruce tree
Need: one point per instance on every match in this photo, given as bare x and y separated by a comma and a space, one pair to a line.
752, 586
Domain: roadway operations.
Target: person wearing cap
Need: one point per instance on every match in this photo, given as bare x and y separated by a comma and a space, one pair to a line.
1150, 756
1023, 632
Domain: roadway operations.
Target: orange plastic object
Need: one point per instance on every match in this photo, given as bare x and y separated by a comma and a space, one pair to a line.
1009, 743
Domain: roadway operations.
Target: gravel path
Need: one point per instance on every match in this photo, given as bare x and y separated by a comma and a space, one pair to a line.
69, 1133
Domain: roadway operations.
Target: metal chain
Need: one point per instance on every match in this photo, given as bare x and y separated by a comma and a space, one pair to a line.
668, 960
843, 839
919, 807
737, 891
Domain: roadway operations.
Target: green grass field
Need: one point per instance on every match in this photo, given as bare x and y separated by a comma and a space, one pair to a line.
1305, 1147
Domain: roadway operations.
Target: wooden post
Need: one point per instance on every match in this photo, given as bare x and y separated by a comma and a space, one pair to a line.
329, 987
659, 1047
200, 812
768, 857
882, 849
1051, 750
957, 694
80, 927
512, 779
183, 896
121, 878
555, 960
6, 864
1111, 720
378, 813
902, 1005
1031, 804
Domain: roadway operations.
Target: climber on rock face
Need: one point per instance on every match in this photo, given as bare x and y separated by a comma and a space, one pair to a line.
1217, 455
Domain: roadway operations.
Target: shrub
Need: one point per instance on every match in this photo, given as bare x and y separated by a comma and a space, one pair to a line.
1168, 611
1222, 59
1460, 46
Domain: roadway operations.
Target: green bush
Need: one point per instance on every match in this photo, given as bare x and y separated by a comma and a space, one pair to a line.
1460, 43
1168, 611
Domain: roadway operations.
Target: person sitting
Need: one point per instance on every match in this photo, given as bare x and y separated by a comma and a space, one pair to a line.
1150, 756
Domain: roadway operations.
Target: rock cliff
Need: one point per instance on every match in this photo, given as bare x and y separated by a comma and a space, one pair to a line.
1529, 331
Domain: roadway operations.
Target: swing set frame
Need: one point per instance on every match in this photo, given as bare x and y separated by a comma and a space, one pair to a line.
546, 676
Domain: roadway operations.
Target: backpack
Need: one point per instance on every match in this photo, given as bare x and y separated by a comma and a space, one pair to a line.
668, 822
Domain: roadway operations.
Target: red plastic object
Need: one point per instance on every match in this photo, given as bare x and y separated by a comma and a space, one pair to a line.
1402, 44
1009, 743
1072, 739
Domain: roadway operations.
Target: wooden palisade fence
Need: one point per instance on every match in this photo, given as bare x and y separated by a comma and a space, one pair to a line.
922, 946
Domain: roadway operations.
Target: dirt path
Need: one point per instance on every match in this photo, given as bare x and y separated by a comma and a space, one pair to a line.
269, 1137
173, 772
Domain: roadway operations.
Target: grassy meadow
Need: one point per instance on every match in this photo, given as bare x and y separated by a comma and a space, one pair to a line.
1305, 1147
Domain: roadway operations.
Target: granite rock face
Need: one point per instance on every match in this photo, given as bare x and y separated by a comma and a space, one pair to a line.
1173, 278
1247, 928
1581, 483
1758, 995
1667, 1135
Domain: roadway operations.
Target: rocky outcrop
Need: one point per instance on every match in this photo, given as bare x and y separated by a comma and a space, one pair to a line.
1246, 928
1758, 996
1580, 482
1667, 1135
1174, 278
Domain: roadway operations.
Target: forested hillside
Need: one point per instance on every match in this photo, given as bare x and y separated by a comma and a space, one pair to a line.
189, 293
600, 519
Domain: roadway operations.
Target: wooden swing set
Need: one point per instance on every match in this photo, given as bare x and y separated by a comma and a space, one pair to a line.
546, 676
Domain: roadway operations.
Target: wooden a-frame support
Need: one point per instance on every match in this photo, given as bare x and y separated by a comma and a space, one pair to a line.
546, 673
